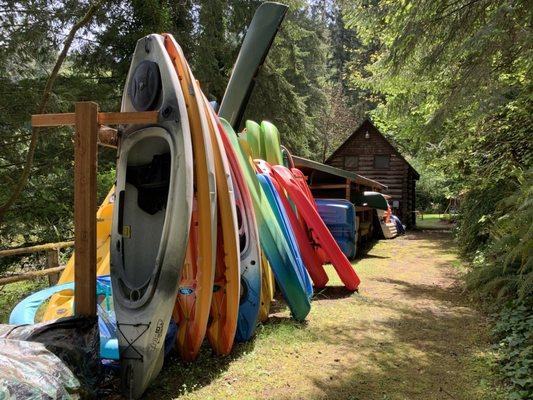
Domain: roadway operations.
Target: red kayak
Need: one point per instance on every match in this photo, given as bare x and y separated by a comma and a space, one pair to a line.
310, 258
308, 212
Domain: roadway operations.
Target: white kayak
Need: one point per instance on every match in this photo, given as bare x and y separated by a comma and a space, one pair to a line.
151, 218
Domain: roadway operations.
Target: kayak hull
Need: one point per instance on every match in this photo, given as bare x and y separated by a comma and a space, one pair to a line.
195, 292
152, 214
320, 232
250, 251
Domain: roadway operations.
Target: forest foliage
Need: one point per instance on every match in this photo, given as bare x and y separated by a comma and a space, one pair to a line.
450, 80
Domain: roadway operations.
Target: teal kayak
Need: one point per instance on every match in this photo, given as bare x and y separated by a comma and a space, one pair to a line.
371, 199
272, 239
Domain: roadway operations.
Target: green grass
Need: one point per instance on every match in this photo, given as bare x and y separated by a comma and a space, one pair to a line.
408, 334
435, 221
13, 293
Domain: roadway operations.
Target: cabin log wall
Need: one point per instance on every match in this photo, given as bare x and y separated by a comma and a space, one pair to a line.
400, 178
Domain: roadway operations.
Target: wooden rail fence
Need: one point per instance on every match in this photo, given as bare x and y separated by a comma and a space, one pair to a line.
52, 270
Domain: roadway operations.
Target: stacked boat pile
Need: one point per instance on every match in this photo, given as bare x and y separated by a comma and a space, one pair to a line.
199, 225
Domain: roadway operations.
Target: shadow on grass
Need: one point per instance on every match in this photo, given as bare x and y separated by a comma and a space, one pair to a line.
179, 377
376, 256
424, 343
408, 352
331, 293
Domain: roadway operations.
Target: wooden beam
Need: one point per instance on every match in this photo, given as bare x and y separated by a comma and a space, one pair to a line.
85, 166
35, 249
117, 118
329, 186
30, 275
112, 118
348, 189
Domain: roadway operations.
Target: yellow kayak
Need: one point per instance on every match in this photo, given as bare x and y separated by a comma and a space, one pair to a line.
61, 304
267, 289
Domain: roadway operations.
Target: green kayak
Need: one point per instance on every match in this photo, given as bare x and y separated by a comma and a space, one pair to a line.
371, 199
273, 242
270, 144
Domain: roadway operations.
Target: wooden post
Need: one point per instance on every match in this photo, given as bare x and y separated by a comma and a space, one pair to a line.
85, 166
52, 261
348, 189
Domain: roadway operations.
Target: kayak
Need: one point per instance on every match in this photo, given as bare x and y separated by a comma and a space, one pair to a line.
270, 143
309, 256
283, 221
371, 199
61, 303
194, 296
25, 312
252, 135
319, 230
151, 217
339, 217
250, 250
272, 241
222, 324
267, 289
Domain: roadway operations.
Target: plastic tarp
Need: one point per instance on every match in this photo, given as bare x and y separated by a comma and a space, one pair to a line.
57, 360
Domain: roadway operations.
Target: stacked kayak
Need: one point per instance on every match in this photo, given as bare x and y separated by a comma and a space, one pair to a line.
339, 217
201, 227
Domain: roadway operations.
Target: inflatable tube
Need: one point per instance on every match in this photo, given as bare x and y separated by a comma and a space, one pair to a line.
24, 313
193, 302
320, 231
152, 213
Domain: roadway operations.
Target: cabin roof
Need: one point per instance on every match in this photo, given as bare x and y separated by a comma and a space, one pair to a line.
356, 178
367, 122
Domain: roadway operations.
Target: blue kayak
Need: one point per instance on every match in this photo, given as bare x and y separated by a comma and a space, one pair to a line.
283, 220
339, 217
25, 311
272, 240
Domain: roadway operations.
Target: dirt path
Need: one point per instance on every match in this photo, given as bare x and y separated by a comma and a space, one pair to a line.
408, 334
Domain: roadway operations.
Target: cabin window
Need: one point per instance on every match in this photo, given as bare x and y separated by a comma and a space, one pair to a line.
382, 161
351, 162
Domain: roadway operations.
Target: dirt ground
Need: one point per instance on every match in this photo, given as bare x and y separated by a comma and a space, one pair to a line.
410, 333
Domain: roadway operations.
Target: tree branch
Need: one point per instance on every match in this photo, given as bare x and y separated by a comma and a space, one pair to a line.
23, 180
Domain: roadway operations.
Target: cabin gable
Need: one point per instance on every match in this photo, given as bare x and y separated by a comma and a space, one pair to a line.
367, 152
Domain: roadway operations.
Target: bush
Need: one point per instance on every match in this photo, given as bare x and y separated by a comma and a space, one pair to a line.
502, 239
513, 333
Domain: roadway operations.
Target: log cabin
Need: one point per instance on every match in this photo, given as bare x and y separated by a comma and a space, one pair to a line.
369, 153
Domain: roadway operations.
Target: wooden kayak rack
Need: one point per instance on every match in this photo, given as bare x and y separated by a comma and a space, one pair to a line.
91, 129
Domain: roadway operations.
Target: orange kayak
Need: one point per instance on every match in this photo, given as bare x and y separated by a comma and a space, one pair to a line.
226, 290
195, 290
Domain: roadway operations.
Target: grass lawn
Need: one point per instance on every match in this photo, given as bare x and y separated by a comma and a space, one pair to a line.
11, 294
434, 221
408, 334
